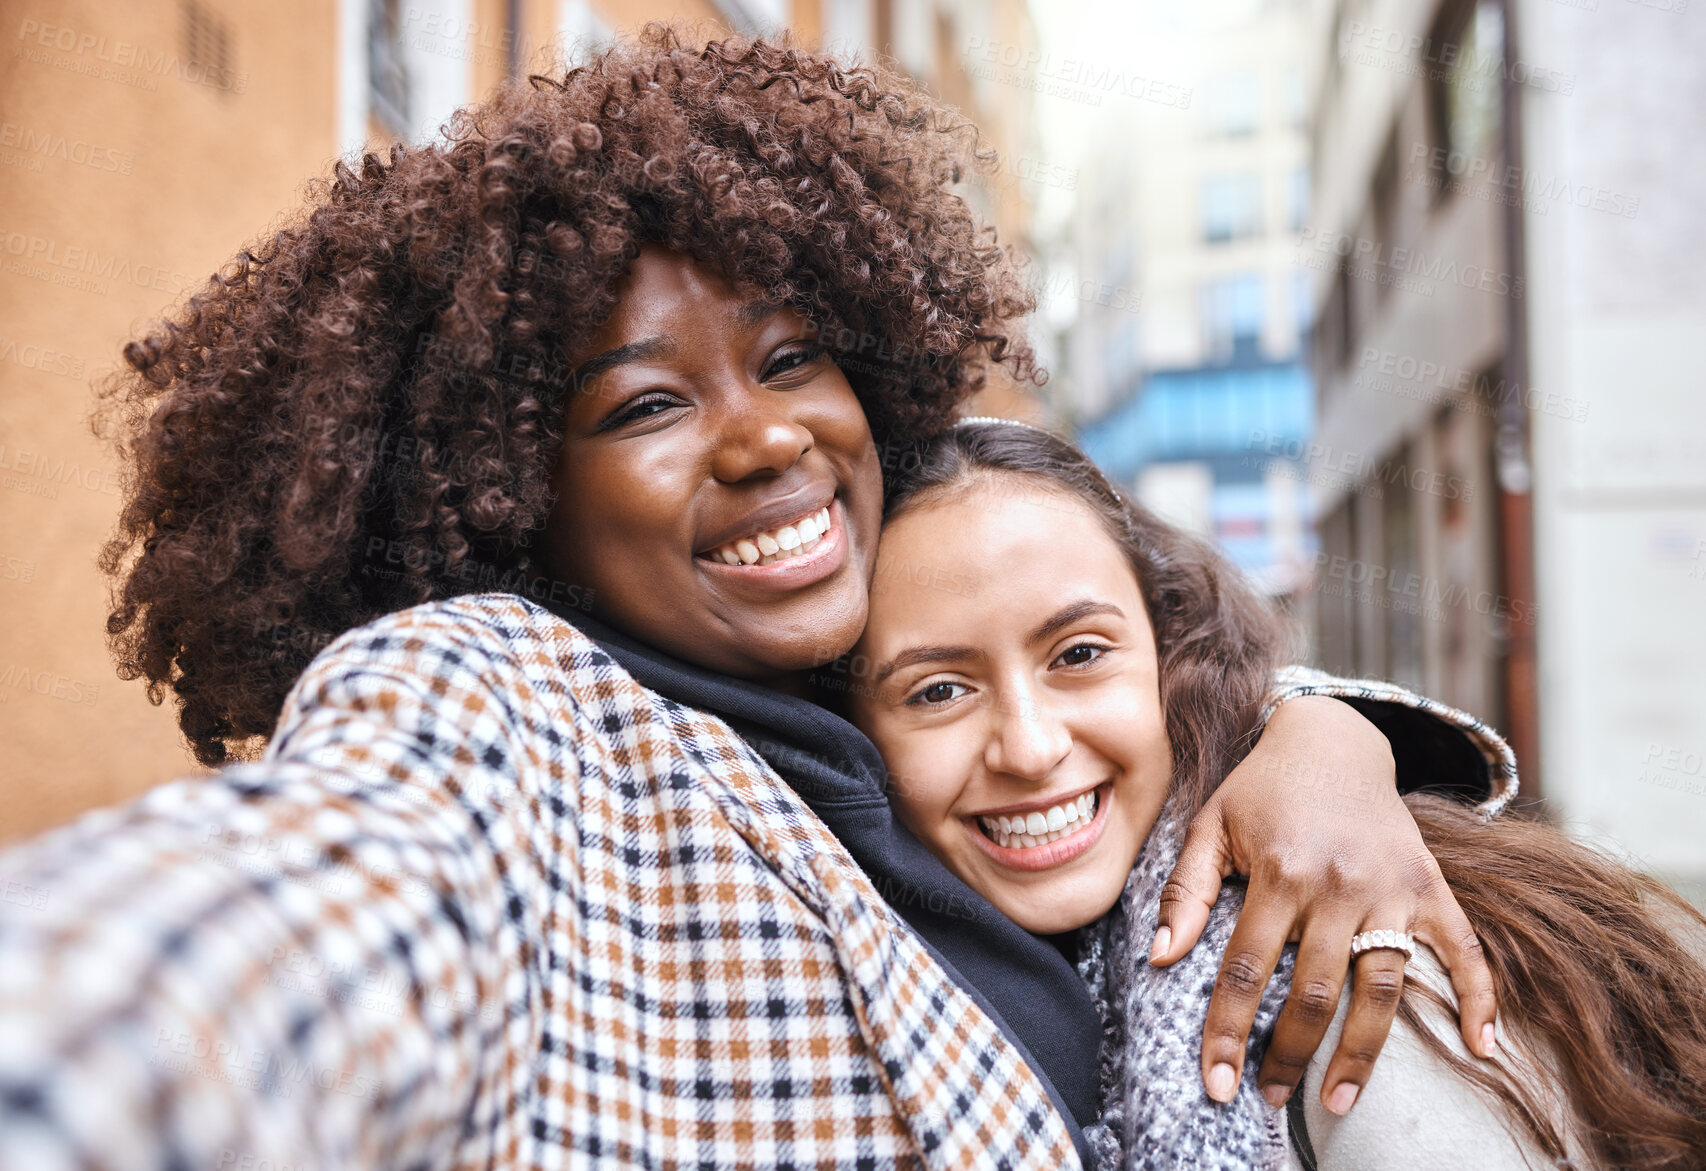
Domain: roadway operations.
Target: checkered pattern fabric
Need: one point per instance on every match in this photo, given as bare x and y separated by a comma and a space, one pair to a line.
1294, 682
485, 903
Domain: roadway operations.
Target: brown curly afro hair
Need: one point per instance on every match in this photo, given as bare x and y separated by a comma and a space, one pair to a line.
362, 413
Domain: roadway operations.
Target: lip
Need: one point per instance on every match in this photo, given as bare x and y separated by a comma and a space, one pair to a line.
1056, 853
778, 512
790, 573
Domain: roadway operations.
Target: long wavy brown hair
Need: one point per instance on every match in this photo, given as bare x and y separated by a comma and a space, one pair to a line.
361, 412
1587, 955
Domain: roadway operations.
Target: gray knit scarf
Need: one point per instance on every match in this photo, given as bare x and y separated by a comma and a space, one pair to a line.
1155, 1112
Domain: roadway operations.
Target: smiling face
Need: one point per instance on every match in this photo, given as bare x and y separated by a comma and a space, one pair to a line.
718, 488
1009, 678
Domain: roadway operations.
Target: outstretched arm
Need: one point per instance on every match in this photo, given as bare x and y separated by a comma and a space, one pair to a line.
297, 963
1313, 818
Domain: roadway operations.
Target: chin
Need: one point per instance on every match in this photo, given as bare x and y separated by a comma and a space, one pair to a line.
1041, 915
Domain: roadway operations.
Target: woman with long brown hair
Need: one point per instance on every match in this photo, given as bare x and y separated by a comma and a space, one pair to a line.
1052, 721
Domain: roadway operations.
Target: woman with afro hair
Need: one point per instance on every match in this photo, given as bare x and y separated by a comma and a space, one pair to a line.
492, 523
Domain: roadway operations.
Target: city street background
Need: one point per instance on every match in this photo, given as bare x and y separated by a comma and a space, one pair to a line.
1403, 303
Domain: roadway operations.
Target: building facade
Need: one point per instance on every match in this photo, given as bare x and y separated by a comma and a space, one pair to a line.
1189, 380
1509, 276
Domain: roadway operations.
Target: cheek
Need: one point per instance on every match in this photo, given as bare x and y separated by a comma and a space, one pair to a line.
605, 508
922, 784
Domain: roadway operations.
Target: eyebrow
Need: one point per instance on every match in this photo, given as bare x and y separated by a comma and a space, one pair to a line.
752, 314
638, 351
912, 656
1073, 613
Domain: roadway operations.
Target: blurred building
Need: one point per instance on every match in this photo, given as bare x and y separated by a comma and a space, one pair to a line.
142, 144
1509, 265
1189, 378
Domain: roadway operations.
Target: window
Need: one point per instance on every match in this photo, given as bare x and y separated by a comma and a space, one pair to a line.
1466, 98
387, 76
1293, 99
207, 46
1231, 207
1302, 302
1297, 197
1234, 309
1231, 104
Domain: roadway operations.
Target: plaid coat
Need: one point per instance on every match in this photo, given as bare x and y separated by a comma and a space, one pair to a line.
486, 902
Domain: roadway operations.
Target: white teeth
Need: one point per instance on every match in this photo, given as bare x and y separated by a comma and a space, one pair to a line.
765, 548
1025, 830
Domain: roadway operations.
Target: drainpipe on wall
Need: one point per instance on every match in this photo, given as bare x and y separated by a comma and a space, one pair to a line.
1511, 457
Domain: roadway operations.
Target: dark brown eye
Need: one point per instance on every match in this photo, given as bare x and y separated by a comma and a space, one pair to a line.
793, 359
937, 694
1080, 655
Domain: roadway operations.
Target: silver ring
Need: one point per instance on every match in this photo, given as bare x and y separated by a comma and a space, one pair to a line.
1384, 941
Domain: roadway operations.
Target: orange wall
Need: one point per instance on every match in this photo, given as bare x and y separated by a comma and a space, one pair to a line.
125, 180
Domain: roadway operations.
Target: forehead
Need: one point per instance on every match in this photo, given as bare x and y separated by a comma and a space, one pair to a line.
662, 287
1003, 540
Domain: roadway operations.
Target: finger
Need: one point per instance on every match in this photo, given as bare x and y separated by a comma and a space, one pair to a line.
1193, 887
1377, 982
1250, 959
1318, 980
1445, 929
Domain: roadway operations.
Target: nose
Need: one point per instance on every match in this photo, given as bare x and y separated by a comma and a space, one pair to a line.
1027, 738
758, 436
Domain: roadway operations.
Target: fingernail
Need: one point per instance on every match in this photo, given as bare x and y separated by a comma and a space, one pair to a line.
1489, 1041
1343, 1097
1163, 939
1222, 1080
1276, 1094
